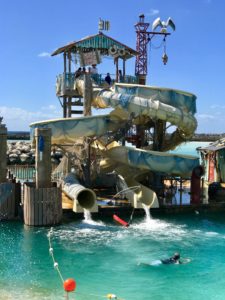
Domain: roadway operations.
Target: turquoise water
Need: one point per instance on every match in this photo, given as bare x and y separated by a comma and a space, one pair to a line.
189, 148
105, 258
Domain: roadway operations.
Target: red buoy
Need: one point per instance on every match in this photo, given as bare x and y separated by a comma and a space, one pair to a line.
120, 221
69, 285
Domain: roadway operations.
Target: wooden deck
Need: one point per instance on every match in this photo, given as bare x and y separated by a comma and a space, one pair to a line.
67, 202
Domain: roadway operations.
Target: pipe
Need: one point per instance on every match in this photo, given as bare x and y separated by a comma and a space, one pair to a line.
83, 197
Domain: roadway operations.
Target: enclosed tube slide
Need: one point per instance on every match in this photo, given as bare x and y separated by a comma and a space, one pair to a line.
83, 197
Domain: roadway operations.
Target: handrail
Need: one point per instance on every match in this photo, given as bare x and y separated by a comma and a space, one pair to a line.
67, 81
22, 172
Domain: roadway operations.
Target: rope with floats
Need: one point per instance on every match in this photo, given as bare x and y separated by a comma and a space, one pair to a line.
69, 284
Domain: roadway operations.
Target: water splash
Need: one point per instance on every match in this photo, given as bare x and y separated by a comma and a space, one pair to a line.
87, 215
88, 219
147, 213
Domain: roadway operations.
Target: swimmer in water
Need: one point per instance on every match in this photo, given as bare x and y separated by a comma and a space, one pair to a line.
175, 259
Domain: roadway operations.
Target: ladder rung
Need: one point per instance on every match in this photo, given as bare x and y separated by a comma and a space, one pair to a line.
77, 103
77, 112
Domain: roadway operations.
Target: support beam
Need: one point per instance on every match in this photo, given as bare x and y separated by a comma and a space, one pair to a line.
69, 61
64, 61
64, 107
87, 94
124, 67
117, 69
43, 157
3, 150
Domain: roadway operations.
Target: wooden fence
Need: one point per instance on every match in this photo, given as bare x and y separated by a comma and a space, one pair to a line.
42, 206
7, 201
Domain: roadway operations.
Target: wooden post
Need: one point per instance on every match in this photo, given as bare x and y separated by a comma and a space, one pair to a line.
64, 61
69, 61
124, 67
87, 94
43, 157
3, 150
181, 190
69, 104
117, 69
64, 107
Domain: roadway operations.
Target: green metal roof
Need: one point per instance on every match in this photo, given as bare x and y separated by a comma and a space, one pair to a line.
99, 42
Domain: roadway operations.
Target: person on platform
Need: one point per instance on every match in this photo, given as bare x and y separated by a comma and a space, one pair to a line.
108, 79
120, 76
83, 70
78, 72
94, 69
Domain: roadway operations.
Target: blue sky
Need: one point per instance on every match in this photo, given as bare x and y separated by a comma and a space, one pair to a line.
30, 30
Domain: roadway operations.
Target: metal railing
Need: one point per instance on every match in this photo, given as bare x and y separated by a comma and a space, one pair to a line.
22, 172
66, 82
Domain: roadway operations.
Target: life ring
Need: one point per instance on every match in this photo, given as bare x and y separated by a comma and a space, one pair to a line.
113, 50
121, 52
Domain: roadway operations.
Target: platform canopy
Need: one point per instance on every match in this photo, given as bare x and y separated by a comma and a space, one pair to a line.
101, 42
213, 147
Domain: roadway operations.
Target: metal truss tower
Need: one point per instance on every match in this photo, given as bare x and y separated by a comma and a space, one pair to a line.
141, 47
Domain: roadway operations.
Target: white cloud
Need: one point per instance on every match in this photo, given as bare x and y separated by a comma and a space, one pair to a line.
17, 118
205, 116
217, 106
44, 54
153, 12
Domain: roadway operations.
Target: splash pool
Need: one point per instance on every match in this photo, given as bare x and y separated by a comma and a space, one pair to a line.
104, 258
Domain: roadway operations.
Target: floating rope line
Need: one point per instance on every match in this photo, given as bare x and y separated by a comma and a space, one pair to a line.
55, 264
70, 284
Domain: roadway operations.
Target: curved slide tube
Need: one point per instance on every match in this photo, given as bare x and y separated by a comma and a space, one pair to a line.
152, 104
84, 198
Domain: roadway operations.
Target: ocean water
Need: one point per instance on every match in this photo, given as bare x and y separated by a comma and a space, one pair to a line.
189, 148
105, 258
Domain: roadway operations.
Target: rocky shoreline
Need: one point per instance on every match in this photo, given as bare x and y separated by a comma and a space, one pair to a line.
21, 152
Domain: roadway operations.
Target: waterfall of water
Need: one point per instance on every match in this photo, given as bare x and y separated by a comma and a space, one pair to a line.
147, 212
87, 215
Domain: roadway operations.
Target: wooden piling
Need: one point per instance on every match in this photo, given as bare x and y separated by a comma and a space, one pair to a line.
7, 201
87, 95
3, 150
43, 157
7, 188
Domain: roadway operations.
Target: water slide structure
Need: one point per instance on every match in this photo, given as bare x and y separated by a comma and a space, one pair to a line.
96, 147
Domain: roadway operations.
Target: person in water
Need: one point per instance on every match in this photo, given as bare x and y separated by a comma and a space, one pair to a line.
175, 259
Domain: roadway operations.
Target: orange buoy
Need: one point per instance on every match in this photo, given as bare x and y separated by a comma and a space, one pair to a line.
69, 285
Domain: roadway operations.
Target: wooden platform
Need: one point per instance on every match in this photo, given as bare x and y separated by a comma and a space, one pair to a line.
67, 202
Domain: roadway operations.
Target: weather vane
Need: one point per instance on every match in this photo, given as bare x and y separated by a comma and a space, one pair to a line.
144, 37
103, 25
163, 24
